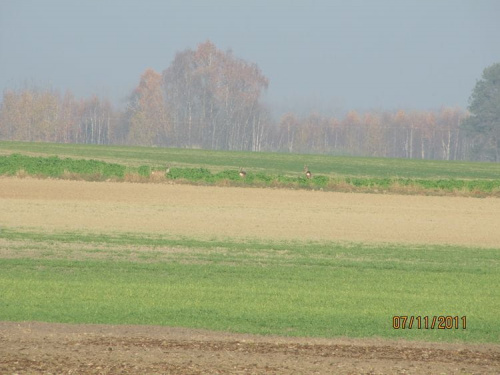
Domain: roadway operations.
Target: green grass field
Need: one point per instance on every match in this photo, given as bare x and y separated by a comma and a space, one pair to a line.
293, 289
273, 163
374, 175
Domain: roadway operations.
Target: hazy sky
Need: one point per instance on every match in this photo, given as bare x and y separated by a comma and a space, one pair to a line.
330, 56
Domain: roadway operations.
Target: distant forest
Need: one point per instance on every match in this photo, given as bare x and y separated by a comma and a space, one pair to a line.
210, 99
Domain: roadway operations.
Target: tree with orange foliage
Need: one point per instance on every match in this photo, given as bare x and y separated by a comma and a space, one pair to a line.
147, 112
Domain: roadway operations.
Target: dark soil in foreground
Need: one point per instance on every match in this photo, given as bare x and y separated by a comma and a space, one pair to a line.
47, 348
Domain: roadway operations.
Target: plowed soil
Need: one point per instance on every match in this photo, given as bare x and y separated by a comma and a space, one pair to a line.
95, 349
46, 205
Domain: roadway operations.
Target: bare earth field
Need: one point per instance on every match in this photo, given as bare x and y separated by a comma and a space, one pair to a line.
99, 349
208, 212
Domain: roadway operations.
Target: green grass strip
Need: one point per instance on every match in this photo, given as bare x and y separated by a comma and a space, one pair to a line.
55, 167
267, 162
293, 289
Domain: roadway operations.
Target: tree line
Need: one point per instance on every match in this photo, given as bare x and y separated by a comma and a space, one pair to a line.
210, 99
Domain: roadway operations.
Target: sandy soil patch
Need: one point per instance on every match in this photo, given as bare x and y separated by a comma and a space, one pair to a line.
208, 212
100, 349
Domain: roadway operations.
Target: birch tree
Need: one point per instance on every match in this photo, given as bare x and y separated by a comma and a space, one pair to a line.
212, 99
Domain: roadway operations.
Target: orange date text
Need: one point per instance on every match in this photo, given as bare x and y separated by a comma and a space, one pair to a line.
429, 322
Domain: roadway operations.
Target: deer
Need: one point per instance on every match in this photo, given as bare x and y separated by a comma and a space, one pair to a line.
243, 174
160, 173
307, 171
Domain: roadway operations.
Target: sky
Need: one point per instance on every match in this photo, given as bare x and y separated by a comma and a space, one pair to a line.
326, 56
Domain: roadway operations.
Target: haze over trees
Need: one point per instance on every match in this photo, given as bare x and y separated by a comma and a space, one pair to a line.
210, 99
213, 100
484, 122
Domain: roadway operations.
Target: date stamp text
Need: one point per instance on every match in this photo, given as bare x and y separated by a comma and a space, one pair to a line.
429, 322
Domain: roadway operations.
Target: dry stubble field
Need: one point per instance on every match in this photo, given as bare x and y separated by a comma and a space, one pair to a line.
207, 212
